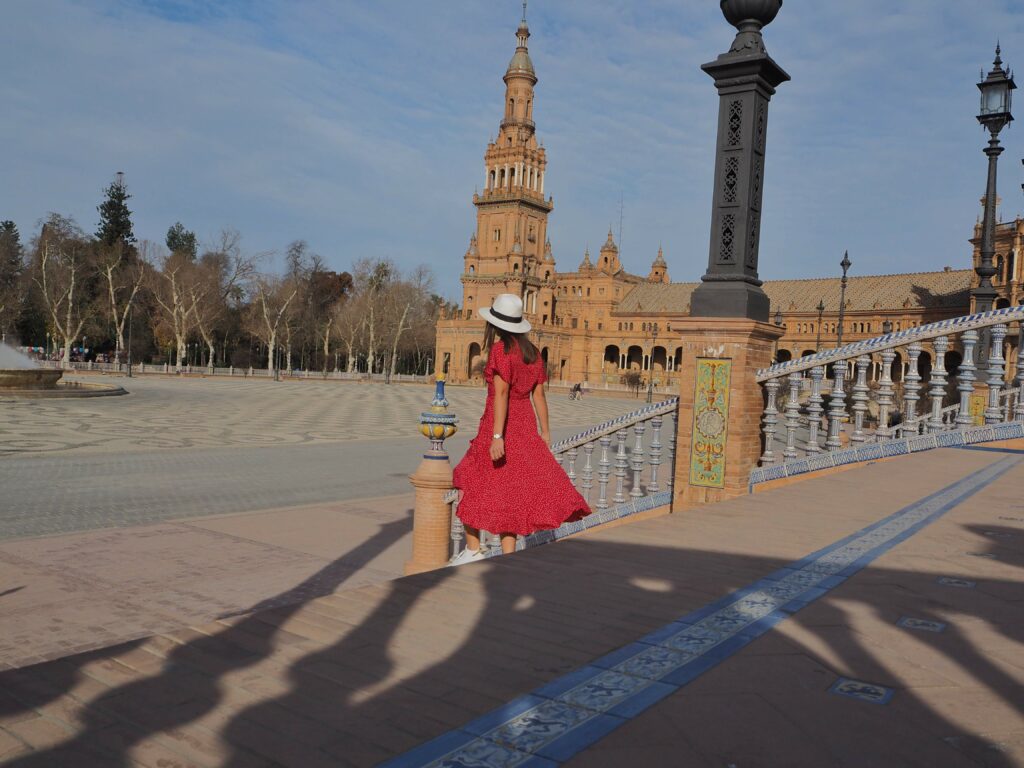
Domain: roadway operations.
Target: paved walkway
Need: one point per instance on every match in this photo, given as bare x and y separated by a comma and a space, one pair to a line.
869, 618
178, 448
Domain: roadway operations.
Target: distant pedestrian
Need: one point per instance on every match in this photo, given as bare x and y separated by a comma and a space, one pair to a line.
509, 480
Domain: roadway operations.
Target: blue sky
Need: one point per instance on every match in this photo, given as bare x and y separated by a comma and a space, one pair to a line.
361, 126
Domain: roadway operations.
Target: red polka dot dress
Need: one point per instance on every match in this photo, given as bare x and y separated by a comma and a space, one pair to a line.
527, 490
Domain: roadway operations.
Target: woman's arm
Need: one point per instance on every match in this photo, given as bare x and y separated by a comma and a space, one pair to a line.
540, 402
500, 412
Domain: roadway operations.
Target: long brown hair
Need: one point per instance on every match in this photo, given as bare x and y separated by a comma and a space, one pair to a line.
526, 347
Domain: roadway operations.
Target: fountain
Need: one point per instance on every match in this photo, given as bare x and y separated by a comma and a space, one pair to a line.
21, 377
19, 372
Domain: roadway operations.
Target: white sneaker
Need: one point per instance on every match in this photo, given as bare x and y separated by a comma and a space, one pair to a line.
466, 556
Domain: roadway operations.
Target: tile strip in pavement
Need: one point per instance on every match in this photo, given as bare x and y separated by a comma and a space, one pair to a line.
559, 720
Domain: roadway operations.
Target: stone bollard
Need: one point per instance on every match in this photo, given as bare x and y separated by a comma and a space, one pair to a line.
431, 525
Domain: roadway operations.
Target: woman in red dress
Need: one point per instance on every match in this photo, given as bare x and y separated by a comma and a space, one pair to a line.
510, 483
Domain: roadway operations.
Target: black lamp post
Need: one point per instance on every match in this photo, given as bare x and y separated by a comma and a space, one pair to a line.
778, 318
886, 327
995, 114
746, 78
845, 264
650, 365
821, 311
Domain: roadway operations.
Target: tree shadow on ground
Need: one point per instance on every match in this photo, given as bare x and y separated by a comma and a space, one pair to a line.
356, 677
189, 682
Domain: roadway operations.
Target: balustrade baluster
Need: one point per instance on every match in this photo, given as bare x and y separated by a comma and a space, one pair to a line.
637, 460
886, 396
937, 382
792, 415
836, 406
572, 454
621, 463
965, 379
814, 409
860, 400
994, 412
771, 420
672, 451
1018, 408
911, 390
655, 460
458, 531
603, 470
588, 470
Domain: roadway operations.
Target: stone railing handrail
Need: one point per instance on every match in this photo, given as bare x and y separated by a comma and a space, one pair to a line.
894, 340
614, 425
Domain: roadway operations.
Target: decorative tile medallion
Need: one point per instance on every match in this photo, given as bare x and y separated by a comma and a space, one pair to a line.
710, 419
924, 625
858, 689
976, 407
953, 581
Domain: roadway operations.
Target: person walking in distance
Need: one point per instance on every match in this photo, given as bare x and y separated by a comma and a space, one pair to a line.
509, 482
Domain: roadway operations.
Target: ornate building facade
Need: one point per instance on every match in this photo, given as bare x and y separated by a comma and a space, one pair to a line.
599, 322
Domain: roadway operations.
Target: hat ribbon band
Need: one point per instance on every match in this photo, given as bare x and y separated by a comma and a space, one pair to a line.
506, 318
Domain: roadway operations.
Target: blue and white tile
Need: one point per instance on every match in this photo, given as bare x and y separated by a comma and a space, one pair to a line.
604, 691
539, 725
922, 625
954, 581
862, 691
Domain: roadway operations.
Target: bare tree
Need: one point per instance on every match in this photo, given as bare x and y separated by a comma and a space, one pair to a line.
350, 327
221, 275
272, 297
64, 267
175, 282
123, 278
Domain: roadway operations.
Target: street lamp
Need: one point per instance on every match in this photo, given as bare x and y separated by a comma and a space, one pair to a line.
778, 318
886, 327
650, 365
845, 264
821, 311
995, 113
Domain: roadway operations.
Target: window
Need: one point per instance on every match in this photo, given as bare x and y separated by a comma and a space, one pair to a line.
588, 291
515, 269
472, 269
600, 291
586, 325
600, 326
497, 234
574, 322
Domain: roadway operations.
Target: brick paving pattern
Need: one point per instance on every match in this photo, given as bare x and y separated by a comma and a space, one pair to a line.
362, 675
178, 448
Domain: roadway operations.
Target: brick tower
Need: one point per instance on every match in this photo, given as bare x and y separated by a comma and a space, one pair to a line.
507, 253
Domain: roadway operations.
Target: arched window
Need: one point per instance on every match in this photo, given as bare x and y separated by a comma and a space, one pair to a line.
515, 268
547, 274
472, 269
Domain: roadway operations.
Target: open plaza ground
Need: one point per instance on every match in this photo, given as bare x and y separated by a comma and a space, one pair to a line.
192, 498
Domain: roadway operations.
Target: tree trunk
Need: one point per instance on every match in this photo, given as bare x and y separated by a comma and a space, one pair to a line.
271, 348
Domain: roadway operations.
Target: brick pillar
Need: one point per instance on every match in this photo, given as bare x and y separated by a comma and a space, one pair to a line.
431, 525
716, 381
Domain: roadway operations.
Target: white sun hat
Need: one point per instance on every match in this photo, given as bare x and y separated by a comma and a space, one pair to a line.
506, 312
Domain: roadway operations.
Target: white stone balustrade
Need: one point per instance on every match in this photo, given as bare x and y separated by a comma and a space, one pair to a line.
935, 362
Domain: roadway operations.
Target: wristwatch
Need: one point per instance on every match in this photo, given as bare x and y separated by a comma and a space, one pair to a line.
498, 436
